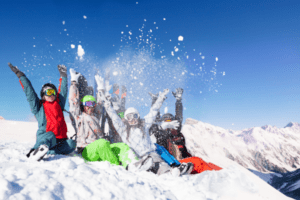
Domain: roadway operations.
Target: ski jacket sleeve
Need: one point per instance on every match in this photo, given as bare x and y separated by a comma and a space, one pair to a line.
74, 103
179, 112
117, 122
63, 91
151, 116
31, 95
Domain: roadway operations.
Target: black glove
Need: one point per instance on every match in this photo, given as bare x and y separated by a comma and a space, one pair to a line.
62, 70
178, 93
16, 70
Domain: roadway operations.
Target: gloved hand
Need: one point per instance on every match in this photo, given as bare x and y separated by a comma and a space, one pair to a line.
100, 82
164, 93
62, 70
107, 88
178, 93
153, 96
74, 76
16, 70
171, 125
106, 103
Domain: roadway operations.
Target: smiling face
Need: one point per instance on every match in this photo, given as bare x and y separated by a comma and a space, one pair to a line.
49, 98
89, 110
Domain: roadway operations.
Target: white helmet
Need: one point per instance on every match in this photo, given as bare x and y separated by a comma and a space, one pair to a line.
131, 110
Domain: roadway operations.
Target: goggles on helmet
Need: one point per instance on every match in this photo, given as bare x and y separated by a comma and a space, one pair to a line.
89, 103
49, 92
132, 116
168, 120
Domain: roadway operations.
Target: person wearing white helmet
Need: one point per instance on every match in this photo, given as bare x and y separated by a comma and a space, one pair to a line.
135, 133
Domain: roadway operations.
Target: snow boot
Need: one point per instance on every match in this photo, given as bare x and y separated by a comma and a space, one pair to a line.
185, 168
39, 153
141, 165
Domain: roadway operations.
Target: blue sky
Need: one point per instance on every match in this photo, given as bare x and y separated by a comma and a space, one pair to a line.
256, 43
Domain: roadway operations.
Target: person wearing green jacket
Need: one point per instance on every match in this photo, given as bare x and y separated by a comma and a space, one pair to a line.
51, 137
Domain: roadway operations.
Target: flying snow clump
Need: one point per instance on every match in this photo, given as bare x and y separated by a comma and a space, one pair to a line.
72, 46
217, 58
84, 17
80, 52
63, 22
180, 38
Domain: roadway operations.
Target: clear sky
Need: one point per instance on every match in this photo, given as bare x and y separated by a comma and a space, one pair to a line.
249, 74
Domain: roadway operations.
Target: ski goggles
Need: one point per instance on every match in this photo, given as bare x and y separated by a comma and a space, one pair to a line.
89, 103
168, 120
49, 92
132, 116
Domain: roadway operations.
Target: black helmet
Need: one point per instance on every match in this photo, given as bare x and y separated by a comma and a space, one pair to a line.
47, 85
167, 116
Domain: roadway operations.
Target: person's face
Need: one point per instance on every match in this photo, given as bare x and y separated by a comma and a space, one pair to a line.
89, 110
132, 119
50, 98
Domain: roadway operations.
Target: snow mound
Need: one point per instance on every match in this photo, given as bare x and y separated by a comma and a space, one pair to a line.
69, 177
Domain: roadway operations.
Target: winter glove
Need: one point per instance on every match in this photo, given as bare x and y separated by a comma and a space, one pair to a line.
178, 93
107, 88
153, 96
16, 70
100, 82
74, 75
62, 70
171, 125
106, 103
164, 93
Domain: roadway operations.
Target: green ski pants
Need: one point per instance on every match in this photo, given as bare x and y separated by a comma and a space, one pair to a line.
102, 150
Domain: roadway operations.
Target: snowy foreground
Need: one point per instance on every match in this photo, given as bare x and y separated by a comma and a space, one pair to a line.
68, 177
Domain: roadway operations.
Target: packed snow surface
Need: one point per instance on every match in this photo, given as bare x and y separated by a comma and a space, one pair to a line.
69, 177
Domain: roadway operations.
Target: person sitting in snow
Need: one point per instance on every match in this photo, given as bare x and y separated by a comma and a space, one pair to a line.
168, 134
91, 141
135, 133
51, 137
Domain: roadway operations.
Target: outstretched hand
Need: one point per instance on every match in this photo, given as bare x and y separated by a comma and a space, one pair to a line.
62, 70
178, 93
153, 96
106, 103
16, 70
164, 93
100, 82
74, 75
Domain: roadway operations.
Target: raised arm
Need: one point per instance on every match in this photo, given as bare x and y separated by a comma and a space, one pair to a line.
178, 105
74, 100
151, 116
31, 95
63, 85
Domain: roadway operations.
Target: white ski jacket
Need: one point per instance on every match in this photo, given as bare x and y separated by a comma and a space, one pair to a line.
137, 140
87, 126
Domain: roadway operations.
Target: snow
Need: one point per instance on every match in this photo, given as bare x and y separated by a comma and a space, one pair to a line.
72, 46
180, 38
80, 52
69, 177
84, 17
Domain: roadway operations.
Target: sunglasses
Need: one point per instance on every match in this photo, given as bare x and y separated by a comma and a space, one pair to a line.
49, 92
132, 116
89, 103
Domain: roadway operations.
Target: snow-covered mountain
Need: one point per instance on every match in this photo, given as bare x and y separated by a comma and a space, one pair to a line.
263, 149
68, 177
287, 183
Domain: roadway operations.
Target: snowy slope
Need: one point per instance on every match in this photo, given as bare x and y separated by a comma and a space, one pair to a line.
262, 149
68, 177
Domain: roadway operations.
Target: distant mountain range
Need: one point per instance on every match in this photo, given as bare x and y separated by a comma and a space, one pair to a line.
271, 153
